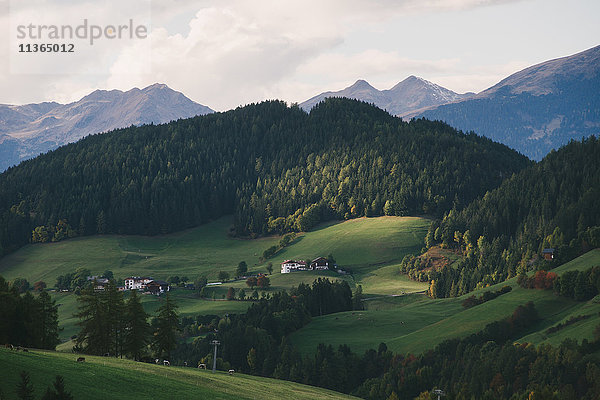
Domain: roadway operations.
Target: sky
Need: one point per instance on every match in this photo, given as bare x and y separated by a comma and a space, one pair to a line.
226, 53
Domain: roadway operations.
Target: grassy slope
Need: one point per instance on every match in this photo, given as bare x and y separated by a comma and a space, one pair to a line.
203, 250
415, 323
366, 245
109, 378
360, 244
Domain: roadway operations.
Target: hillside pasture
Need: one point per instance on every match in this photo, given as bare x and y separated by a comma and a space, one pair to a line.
415, 323
111, 378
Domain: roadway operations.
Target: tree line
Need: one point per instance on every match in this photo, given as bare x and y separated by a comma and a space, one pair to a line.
25, 389
576, 285
552, 204
255, 341
111, 325
275, 168
486, 364
27, 320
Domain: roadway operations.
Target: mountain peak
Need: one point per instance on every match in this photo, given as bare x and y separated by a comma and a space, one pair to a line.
42, 127
361, 84
534, 110
542, 78
157, 86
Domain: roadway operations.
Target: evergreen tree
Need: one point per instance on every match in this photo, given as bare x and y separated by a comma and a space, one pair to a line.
114, 311
357, 299
137, 329
167, 326
345, 159
223, 276
48, 321
58, 392
242, 268
25, 387
94, 336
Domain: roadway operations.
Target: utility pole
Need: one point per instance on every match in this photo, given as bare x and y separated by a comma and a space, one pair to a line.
215, 343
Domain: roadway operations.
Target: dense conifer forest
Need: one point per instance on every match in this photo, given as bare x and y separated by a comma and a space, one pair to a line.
275, 168
554, 204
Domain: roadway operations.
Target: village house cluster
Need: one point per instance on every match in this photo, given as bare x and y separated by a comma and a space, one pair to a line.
320, 263
148, 284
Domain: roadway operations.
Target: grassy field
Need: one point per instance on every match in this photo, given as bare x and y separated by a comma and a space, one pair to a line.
370, 247
414, 323
362, 244
200, 251
110, 378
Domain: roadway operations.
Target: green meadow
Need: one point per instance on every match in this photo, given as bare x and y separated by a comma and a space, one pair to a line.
361, 244
370, 247
415, 323
110, 378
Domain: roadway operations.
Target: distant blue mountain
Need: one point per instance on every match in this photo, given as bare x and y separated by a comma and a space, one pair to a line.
28, 130
411, 94
534, 110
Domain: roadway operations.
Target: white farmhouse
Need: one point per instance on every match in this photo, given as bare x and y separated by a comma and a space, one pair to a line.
137, 282
291, 265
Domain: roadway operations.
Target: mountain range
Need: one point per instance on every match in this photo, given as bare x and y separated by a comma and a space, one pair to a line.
535, 110
411, 94
28, 130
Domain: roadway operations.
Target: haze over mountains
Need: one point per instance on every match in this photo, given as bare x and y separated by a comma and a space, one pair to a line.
411, 94
537, 109
533, 111
28, 130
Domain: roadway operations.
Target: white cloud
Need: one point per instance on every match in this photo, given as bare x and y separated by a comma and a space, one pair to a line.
230, 52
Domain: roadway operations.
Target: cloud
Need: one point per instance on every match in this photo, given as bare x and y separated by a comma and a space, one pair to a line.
227, 53
231, 52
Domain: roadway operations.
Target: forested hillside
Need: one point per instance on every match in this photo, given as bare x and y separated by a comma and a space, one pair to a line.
274, 167
553, 204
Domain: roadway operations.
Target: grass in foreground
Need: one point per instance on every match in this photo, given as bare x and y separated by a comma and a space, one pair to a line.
110, 378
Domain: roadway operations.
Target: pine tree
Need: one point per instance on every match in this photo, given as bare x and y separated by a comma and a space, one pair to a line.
242, 268
167, 326
58, 392
114, 309
357, 303
137, 329
25, 387
93, 338
48, 321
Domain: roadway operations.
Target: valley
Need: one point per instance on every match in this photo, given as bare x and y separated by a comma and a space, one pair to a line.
369, 247
416, 323
473, 223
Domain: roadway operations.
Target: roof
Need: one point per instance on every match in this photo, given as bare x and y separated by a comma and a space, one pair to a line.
161, 283
548, 251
